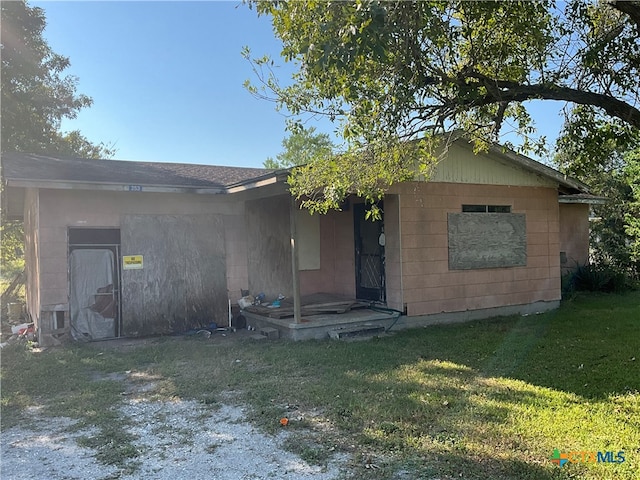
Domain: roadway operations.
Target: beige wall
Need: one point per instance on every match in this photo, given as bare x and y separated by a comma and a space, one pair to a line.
337, 269
60, 209
429, 287
269, 246
417, 269
392, 250
32, 258
574, 234
236, 250
337, 255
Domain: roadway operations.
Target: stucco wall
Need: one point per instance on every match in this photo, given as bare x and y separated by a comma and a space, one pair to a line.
574, 234
430, 287
61, 209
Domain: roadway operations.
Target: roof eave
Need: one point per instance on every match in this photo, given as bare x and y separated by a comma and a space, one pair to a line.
591, 200
278, 176
116, 187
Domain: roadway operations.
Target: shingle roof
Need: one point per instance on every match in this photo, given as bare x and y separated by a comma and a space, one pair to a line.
45, 168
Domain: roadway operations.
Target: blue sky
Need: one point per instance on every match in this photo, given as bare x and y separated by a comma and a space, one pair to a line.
167, 79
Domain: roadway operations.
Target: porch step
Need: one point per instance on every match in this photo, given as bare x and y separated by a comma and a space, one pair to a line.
270, 333
356, 331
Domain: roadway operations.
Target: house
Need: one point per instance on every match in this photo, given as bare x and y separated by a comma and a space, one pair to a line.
116, 248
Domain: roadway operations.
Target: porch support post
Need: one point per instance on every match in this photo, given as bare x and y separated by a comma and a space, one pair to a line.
293, 222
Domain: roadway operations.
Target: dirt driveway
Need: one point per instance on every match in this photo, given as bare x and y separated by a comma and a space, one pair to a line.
173, 440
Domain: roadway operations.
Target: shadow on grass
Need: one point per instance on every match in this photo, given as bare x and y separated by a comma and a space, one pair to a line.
442, 417
588, 347
453, 465
449, 418
468, 398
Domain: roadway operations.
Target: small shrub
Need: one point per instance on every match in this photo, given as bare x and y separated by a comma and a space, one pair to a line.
597, 278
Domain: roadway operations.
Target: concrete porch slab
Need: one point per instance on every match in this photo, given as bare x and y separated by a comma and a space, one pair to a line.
317, 327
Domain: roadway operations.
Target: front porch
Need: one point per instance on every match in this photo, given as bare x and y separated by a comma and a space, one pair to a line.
322, 315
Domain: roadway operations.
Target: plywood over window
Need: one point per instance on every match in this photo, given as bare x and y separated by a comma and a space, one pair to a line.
308, 230
488, 240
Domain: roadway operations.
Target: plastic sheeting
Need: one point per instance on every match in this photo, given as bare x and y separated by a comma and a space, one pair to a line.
92, 303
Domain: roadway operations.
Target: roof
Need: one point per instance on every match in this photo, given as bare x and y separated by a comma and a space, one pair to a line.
25, 169
46, 171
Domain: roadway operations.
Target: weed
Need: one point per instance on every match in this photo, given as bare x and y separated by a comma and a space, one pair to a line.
308, 449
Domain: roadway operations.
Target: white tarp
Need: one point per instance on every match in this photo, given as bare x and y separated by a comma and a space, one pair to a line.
91, 304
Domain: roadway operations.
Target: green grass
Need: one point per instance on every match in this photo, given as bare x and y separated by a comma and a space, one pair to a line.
488, 399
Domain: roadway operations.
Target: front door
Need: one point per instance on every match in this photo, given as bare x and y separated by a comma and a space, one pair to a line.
94, 284
369, 256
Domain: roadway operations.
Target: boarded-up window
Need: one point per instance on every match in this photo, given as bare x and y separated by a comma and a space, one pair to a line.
490, 240
308, 230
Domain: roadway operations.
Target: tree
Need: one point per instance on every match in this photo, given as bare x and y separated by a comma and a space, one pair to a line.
605, 154
300, 148
36, 95
632, 216
394, 71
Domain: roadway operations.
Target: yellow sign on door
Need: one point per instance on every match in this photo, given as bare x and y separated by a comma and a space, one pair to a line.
132, 262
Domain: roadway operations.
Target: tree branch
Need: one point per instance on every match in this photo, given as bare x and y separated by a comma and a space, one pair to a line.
631, 8
503, 91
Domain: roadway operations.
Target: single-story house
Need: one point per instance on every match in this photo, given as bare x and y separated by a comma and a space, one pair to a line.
118, 248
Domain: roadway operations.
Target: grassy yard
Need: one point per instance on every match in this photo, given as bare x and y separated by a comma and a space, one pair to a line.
488, 399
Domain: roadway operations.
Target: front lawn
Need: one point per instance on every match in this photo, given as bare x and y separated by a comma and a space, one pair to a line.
487, 399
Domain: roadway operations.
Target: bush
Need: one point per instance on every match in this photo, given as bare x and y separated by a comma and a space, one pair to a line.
594, 277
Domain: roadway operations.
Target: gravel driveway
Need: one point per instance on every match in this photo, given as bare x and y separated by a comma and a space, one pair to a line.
175, 440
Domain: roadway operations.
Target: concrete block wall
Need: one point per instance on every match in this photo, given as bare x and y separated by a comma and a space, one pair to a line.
430, 287
337, 264
54, 287
393, 257
417, 269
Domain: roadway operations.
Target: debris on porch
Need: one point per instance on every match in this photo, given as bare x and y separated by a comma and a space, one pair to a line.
322, 315
316, 304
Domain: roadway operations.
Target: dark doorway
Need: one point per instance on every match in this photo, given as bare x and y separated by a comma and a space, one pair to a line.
94, 283
369, 255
